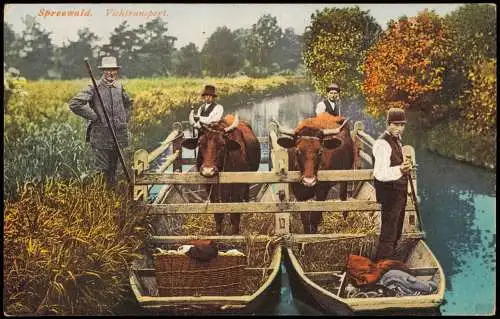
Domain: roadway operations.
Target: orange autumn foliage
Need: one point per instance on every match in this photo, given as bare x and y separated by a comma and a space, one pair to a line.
406, 67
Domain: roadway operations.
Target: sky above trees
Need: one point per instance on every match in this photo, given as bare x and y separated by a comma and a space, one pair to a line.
194, 22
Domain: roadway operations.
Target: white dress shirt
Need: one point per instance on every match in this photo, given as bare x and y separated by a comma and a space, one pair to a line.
214, 116
382, 170
321, 107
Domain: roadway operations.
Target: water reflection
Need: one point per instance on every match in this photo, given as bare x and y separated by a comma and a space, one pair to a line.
288, 110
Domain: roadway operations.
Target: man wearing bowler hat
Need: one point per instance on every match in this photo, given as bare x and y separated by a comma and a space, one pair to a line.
331, 103
391, 182
118, 106
210, 111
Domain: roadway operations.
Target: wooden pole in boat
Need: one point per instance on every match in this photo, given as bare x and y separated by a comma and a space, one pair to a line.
193, 132
414, 196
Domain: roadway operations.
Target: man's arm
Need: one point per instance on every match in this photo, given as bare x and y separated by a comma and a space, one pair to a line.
320, 107
128, 103
192, 115
214, 116
382, 170
80, 104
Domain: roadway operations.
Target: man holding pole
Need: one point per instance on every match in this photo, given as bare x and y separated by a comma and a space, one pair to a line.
391, 182
108, 110
210, 111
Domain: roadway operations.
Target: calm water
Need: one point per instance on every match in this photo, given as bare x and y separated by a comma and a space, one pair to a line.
458, 208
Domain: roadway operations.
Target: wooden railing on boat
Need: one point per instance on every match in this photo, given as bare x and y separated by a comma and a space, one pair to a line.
278, 174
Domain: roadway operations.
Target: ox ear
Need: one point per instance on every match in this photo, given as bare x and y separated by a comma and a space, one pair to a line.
331, 143
190, 143
232, 144
286, 141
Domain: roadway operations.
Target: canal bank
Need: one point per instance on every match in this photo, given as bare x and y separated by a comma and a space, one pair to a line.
449, 139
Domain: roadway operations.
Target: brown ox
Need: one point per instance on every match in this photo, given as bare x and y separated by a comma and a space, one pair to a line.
226, 148
322, 142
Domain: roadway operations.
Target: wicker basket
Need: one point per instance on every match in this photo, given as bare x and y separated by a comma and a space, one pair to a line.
180, 275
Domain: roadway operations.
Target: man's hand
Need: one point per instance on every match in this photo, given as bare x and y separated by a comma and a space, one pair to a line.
406, 167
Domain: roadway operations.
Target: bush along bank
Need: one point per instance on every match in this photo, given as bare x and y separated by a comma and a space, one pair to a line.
449, 139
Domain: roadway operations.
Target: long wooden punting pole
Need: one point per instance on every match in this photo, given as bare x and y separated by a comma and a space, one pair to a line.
414, 197
113, 134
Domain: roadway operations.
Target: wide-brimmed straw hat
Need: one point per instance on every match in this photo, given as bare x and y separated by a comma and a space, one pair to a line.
109, 62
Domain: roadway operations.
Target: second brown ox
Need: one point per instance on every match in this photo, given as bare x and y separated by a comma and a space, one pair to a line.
322, 142
228, 145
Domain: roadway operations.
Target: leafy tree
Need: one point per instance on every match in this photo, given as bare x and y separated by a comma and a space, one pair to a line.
189, 61
123, 44
288, 51
11, 44
335, 44
243, 36
263, 39
69, 62
220, 54
144, 51
476, 31
408, 66
157, 48
36, 50
474, 40
481, 99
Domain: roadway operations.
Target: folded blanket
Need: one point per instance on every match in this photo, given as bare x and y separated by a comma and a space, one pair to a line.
406, 284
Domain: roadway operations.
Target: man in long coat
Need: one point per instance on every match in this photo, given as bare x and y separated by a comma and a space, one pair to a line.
118, 106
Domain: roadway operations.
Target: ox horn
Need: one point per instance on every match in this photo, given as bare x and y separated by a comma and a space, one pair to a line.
233, 125
281, 129
286, 131
334, 131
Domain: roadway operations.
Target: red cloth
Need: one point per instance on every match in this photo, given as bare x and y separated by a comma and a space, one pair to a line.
364, 272
203, 250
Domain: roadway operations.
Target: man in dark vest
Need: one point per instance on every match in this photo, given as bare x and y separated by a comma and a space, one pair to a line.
391, 182
332, 102
118, 106
210, 111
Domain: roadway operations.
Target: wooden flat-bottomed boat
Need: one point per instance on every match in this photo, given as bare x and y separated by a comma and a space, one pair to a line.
190, 287
327, 284
317, 263
257, 285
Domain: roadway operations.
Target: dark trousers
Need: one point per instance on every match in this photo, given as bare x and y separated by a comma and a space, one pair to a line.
393, 213
105, 162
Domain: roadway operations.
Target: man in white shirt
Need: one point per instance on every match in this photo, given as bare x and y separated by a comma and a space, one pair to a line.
332, 102
210, 111
391, 181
